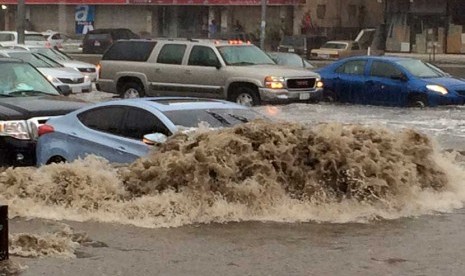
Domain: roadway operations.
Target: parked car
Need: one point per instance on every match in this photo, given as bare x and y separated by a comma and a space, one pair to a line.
72, 44
291, 60
232, 70
54, 72
9, 38
98, 40
122, 131
337, 49
54, 38
301, 44
27, 100
56, 56
391, 81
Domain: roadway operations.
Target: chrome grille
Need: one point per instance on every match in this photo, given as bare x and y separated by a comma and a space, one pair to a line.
301, 83
87, 70
72, 81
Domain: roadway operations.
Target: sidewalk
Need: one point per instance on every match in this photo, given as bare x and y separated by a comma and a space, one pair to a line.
443, 59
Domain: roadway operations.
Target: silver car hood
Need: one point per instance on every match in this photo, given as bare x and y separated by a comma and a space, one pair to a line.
76, 64
64, 72
276, 71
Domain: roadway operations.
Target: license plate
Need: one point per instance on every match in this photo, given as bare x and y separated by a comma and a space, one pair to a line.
291, 50
324, 56
96, 43
304, 96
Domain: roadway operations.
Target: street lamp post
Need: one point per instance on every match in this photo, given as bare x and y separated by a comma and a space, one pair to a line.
20, 20
263, 25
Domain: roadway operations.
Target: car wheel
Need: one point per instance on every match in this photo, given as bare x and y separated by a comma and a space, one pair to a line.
420, 101
56, 159
329, 96
245, 96
132, 90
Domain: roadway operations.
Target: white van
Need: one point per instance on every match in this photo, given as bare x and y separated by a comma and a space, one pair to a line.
10, 38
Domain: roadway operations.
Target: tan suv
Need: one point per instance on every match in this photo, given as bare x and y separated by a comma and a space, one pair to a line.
232, 70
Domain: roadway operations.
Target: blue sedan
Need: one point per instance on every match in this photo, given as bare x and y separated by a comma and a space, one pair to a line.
122, 131
391, 81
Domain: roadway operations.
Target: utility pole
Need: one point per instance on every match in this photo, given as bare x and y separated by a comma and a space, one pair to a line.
20, 20
263, 25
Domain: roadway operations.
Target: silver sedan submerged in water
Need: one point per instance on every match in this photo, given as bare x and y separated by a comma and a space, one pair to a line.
124, 130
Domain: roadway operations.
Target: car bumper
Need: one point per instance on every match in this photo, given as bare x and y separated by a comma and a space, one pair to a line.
81, 88
14, 152
435, 100
283, 95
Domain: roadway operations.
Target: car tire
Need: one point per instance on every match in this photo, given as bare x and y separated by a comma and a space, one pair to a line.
245, 96
420, 101
132, 90
329, 96
56, 159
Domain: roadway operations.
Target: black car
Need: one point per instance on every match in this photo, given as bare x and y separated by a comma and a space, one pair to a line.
98, 40
27, 100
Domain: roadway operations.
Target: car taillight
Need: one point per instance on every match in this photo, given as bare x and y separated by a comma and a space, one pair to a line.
99, 70
44, 129
48, 45
334, 56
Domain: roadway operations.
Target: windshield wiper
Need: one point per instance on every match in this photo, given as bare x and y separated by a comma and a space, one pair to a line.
219, 118
28, 92
242, 63
239, 118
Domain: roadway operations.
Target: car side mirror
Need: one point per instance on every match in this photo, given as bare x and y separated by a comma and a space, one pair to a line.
400, 77
154, 138
65, 90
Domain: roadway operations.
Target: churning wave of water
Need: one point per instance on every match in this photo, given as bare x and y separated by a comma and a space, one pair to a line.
258, 171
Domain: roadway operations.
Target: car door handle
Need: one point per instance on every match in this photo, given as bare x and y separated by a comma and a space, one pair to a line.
121, 148
157, 70
188, 72
370, 82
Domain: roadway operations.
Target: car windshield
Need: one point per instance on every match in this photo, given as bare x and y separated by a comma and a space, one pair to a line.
23, 80
32, 59
334, 45
7, 37
293, 41
244, 55
215, 118
419, 69
52, 54
284, 59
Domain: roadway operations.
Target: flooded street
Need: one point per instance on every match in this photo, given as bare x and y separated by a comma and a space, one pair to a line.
376, 199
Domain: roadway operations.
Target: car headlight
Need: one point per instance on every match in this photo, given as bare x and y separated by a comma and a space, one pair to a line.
16, 129
319, 83
437, 88
52, 79
274, 82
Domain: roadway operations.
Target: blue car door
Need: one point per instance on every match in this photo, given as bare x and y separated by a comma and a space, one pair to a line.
350, 80
101, 132
137, 123
386, 84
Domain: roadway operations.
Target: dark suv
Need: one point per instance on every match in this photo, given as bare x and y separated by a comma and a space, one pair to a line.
27, 100
98, 40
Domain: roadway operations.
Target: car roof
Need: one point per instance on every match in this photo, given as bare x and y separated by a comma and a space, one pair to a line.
175, 103
385, 58
199, 41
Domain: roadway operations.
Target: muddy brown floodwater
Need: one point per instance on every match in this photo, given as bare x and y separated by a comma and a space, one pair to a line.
312, 197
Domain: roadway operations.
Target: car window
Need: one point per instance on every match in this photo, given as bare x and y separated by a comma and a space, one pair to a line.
355, 46
384, 70
56, 36
7, 37
98, 37
202, 56
140, 122
105, 119
354, 67
130, 50
34, 37
171, 54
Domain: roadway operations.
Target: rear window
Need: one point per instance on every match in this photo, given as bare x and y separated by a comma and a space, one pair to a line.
98, 37
34, 37
130, 51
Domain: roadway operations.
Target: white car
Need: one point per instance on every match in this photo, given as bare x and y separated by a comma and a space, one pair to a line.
55, 73
88, 69
54, 38
10, 38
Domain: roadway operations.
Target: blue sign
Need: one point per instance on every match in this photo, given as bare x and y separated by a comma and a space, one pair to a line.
82, 27
84, 13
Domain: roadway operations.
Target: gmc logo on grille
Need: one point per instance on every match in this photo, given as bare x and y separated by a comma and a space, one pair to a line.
302, 83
